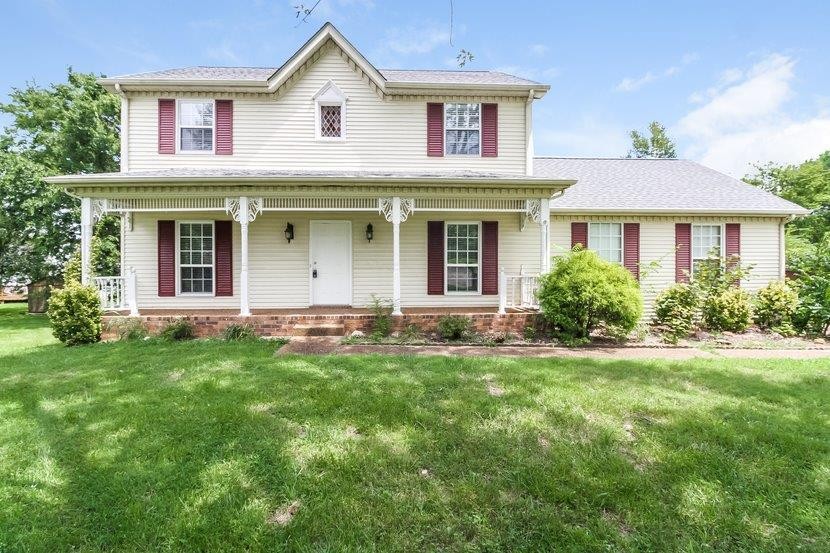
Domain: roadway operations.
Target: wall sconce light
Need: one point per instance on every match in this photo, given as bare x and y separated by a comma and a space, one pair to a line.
370, 232
289, 232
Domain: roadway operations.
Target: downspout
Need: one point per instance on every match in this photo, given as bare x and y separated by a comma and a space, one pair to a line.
782, 253
529, 134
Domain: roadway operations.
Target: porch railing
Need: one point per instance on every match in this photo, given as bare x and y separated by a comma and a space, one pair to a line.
518, 292
117, 293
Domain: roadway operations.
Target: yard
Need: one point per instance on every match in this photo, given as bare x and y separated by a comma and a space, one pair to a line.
212, 445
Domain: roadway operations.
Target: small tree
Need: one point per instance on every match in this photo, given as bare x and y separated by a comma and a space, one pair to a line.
659, 145
583, 292
75, 314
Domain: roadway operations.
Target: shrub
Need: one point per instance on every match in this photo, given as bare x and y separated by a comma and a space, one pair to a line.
75, 314
775, 305
730, 310
129, 329
453, 327
382, 323
812, 272
72, 267
676, 311
412, 333
239, 333
178, 330
583, 292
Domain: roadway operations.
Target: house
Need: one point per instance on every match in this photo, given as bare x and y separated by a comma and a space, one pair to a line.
294, 194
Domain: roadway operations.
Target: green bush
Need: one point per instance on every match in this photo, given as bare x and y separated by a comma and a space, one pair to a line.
583, 292
239, 333
75, 314
382, 323
178, 330
453, 327
129, 329
730, 311
676, 311
775, 305
72, 267
812, 274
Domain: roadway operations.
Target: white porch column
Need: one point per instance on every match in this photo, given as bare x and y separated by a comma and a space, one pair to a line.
396, 210
244, 308
544, 242
86, 239
132, 292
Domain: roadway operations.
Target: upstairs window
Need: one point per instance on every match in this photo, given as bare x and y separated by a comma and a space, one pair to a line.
606, 240
706, 240
196, 125
462, 129
330, 113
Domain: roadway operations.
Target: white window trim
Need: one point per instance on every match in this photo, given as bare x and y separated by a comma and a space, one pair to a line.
179, 259
622, 239
179, 103
445, 129
692, 244
330, 95
447, 265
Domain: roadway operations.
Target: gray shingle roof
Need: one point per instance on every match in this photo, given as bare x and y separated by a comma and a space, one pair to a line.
255, 75
655, 185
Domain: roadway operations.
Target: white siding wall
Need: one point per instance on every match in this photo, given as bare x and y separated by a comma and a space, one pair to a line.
280, 133
279, 272
759, 247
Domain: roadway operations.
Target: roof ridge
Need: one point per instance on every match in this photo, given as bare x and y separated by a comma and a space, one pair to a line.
617, 158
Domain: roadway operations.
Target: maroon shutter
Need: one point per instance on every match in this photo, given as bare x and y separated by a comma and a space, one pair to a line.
631, 248
489, 257
733, 245
435, 258
224, 127
683, 252
489, 130
167, 126
435, 130
224, 258
167, 258
579, 234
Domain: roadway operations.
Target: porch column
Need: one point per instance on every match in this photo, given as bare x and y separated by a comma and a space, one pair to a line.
244, 308
86, 239
544, 229
396, 211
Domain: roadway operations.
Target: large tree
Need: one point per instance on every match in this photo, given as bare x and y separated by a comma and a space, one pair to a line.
66, 128
658, 145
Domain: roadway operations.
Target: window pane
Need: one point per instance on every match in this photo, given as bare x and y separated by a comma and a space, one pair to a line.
195, 114
196, 139
606, 240
462, 142
462, 116
330, 121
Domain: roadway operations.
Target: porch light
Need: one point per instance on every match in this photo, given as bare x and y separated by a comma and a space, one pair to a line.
289, 232
370, 232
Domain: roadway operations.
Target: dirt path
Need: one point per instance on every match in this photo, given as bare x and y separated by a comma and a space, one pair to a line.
326, 345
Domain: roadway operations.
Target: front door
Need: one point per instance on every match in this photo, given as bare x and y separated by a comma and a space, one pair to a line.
331, 263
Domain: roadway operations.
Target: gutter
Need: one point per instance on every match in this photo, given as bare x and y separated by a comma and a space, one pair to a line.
787, 213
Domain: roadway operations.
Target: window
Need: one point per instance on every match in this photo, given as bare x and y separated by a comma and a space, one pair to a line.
196, 126
330, 114
463, 261
462, 129
606, 240
196, 258
706, 240
330, 122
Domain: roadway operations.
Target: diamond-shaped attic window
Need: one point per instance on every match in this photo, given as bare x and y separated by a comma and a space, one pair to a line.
330, 126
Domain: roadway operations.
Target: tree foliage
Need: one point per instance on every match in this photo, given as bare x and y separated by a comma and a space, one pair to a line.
658, 145
64, 128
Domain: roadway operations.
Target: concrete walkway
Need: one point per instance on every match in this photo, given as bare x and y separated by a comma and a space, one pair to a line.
330, 345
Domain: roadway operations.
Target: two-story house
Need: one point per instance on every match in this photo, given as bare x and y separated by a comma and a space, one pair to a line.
306, 189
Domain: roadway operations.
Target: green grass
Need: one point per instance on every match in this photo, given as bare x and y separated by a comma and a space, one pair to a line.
194, 446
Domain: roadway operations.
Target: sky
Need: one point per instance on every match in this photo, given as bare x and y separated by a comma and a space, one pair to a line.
735, 82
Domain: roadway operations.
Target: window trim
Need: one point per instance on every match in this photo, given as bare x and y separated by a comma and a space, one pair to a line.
621, 262
445, 129
722, 244
179, 259
179, 102
330, 95
477, 292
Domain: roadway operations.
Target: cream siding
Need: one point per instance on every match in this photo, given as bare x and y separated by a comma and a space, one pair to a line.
759, 247
279, 271
279, 132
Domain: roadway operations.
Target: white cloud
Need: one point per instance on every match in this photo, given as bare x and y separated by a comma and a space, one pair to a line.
746, 121
630, 84
539, 49
690, 57
416, 40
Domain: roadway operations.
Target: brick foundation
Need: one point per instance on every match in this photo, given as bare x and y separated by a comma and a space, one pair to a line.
283, 325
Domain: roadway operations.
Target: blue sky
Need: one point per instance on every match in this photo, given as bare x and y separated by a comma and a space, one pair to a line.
735, 82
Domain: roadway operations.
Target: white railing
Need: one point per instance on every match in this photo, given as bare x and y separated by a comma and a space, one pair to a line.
518, 292
117, 293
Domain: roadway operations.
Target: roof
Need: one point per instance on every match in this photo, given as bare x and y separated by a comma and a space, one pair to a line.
655, 186
270, 79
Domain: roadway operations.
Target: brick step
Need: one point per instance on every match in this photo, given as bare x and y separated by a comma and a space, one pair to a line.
319, 330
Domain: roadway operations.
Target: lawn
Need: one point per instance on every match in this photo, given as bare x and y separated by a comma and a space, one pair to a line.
210, 445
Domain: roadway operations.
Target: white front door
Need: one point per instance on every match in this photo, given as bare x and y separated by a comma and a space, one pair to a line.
331, 263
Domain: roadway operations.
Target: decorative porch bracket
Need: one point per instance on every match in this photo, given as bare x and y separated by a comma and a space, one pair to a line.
243, 210
396, 210
538, 211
